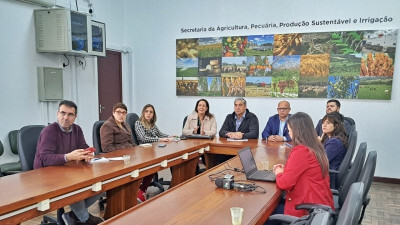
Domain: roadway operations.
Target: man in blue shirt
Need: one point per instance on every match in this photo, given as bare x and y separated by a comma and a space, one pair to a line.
276, 128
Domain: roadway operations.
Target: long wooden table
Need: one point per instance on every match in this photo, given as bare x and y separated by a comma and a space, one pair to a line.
57, 186
199, 201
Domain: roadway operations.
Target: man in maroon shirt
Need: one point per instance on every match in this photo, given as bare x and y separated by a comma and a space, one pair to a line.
61, 142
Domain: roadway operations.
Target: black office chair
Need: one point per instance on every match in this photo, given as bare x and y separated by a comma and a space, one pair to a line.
336, 176
366, 177
11, 167
27, 141
184, 121
96, 136
131, 119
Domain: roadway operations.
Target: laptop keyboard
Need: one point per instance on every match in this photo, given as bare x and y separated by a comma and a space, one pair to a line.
261, 174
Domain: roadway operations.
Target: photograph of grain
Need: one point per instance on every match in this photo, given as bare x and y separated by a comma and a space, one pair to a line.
187, 86
258, 45
234, 66
314, 65
258, 86
209, 86
378, 64
187, 67
287, 44
347, 42
187, 48
345, 65
210, 67
313, 87
343, 87
379, 88
259, 66
234, 46
210, 47
380, 41
316, 43
233, 86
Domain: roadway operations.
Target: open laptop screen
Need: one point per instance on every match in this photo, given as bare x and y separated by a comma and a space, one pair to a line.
249, 165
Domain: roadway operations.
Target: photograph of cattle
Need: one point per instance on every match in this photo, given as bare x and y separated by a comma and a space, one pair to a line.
258, 86
333, 64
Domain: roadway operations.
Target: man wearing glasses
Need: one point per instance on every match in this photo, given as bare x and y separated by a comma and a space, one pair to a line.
61, 142
276, 128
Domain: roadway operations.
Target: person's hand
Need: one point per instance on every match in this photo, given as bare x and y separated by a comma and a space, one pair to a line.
165, 139
272, 138
78, 155
278, 168
195, 130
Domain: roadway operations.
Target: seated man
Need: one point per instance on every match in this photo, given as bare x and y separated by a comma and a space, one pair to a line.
61, 142
276, 128
241, 124
333, 105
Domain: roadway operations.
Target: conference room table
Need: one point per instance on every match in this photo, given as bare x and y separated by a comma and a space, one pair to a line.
199, 201
33, 193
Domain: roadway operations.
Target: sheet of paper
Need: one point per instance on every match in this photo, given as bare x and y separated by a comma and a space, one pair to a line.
116, 158
146, 145
232, 139
98, 160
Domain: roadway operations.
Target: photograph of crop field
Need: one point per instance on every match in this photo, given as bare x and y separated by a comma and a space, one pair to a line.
380, 41
258, 86
210, 67
286, 66
209, 86
345, 65
313, 87
233, 86
376, 64
234, 46
287, 44
187, 67
259, 66
375, 88
258, 45
343, 87
314, 65
347, 42
187, 48
210, 47
316, 43
234, 66
187, 86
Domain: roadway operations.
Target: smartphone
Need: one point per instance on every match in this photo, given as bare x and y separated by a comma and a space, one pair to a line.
91, 149
162, 145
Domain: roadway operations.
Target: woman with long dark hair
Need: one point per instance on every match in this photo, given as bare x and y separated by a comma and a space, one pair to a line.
200, 121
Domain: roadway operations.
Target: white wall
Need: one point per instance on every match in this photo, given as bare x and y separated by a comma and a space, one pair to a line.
150, 29
155, 25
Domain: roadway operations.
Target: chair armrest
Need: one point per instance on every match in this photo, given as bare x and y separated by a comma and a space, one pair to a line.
312, 206
335, 192
283, 218
11, 172
333, 172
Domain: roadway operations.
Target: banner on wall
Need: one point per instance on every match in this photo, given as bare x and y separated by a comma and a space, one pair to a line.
340, 64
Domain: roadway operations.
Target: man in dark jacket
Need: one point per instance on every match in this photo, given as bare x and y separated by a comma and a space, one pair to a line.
241, 124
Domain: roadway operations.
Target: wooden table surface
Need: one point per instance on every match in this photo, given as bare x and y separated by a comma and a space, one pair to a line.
199, 201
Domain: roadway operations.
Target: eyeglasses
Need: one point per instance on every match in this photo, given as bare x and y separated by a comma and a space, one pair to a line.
121, 112
66, 114
282, 109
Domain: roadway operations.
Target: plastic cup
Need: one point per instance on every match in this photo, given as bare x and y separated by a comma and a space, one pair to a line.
265, 164
237, 214
126, 158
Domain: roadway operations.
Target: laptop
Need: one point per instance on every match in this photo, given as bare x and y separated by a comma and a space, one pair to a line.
196, 136
250, 167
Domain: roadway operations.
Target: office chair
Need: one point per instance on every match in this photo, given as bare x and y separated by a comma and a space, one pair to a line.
324, 215
27, 141
96, 136
11, 167
131, 119
184, 121
366, 178
336, 176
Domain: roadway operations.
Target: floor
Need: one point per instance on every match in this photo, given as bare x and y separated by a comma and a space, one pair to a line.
384, 208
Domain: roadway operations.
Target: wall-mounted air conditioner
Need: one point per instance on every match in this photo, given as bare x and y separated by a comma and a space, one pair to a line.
44, 3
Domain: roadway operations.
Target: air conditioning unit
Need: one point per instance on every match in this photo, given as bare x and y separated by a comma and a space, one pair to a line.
44, 3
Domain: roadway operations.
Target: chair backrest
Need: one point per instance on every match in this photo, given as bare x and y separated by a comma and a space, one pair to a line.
351, 209
1, 148
368, 171
353, 174
345, 164
131, 119
13, 137
350, 120
96, 136
184, 121
27, 141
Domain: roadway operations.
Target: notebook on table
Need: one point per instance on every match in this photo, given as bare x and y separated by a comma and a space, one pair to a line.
250, 167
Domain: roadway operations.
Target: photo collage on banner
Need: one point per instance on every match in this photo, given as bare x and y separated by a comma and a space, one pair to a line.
340, 64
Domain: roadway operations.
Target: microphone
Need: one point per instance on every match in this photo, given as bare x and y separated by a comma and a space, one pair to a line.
227, 183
